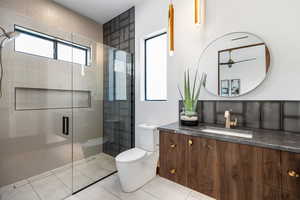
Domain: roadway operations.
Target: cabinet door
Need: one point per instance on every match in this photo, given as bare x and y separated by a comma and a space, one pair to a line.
173, 157
290, 175
202, 165
248, 173
228, 171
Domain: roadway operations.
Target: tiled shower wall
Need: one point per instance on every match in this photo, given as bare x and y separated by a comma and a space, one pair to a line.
31, 139
273, 115
118, 127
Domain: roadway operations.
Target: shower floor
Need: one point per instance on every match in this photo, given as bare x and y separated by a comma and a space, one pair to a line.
57, 184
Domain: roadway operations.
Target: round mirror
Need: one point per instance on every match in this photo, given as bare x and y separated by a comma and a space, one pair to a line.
234, 64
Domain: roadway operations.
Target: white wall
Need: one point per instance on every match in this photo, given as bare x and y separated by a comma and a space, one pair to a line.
275, 21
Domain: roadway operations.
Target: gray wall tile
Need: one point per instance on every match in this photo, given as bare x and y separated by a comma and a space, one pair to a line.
119, 33
271, 115
275, 115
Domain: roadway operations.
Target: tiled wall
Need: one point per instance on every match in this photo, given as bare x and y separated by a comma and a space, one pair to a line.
31, 141
120, 32
118, 127
274, 115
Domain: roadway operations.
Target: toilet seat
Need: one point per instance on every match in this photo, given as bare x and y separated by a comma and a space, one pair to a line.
131, 155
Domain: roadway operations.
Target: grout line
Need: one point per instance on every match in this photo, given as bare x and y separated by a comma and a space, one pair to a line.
189, 195
154, 196
119, 197
150, 194
39, 178
110, 192
64, 183
37, 194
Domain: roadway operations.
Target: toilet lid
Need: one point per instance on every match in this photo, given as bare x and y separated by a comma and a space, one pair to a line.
131, 155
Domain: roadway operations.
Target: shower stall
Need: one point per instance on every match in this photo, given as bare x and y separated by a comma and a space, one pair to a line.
52, 115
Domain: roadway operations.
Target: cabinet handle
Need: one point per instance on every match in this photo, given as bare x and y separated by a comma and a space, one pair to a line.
190, 142
172, 171
293, 174
173, 145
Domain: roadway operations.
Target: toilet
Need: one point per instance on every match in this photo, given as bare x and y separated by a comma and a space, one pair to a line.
137, 166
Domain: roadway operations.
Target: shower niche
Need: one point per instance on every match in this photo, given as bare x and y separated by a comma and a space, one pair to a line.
44, 99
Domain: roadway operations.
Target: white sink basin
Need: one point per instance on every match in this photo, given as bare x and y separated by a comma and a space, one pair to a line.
229, 132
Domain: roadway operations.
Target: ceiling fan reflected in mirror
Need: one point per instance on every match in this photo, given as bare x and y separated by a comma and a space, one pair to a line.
232, 62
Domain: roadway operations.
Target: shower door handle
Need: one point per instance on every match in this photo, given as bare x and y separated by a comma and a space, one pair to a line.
65, 125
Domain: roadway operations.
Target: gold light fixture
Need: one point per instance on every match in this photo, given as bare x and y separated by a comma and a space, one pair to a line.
200, 11
171, 28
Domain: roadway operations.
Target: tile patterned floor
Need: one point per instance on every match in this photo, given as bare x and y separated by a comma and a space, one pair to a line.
57, 184
157, 189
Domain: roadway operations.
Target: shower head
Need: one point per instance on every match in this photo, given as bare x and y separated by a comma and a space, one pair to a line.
12, 35
7, 36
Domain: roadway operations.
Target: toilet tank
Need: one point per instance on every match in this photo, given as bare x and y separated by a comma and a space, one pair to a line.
147, 137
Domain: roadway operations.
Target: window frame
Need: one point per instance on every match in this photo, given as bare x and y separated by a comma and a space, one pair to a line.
145, 67
55, 41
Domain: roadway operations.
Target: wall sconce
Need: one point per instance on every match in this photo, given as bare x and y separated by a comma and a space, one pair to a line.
200, 11
171, 28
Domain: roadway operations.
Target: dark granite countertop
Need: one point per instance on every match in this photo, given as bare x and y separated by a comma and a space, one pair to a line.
278, 140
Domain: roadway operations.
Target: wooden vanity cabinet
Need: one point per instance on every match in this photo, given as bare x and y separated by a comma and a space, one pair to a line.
229, 171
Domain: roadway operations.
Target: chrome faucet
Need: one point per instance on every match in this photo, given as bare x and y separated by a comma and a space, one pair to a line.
228, 122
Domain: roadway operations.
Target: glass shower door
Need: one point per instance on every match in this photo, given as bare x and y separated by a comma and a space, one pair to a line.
118, 101
35, 118
90, 164
97, 127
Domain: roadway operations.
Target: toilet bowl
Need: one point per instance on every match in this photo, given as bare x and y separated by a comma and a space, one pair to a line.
137, 166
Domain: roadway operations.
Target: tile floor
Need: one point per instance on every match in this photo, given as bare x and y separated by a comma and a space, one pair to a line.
57, 184
157, 189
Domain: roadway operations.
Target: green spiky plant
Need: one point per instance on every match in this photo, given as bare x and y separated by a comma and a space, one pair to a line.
191, 93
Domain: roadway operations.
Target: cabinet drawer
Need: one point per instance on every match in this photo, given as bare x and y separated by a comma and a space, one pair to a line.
291, 174
173, 157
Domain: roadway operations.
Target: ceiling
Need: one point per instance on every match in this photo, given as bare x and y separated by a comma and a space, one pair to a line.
99, 10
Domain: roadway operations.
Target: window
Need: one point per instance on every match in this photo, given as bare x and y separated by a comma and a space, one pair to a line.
40, 44
34, 45
156, 68
65, 52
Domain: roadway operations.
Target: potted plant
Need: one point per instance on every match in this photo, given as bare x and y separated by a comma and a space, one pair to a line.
189, 115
